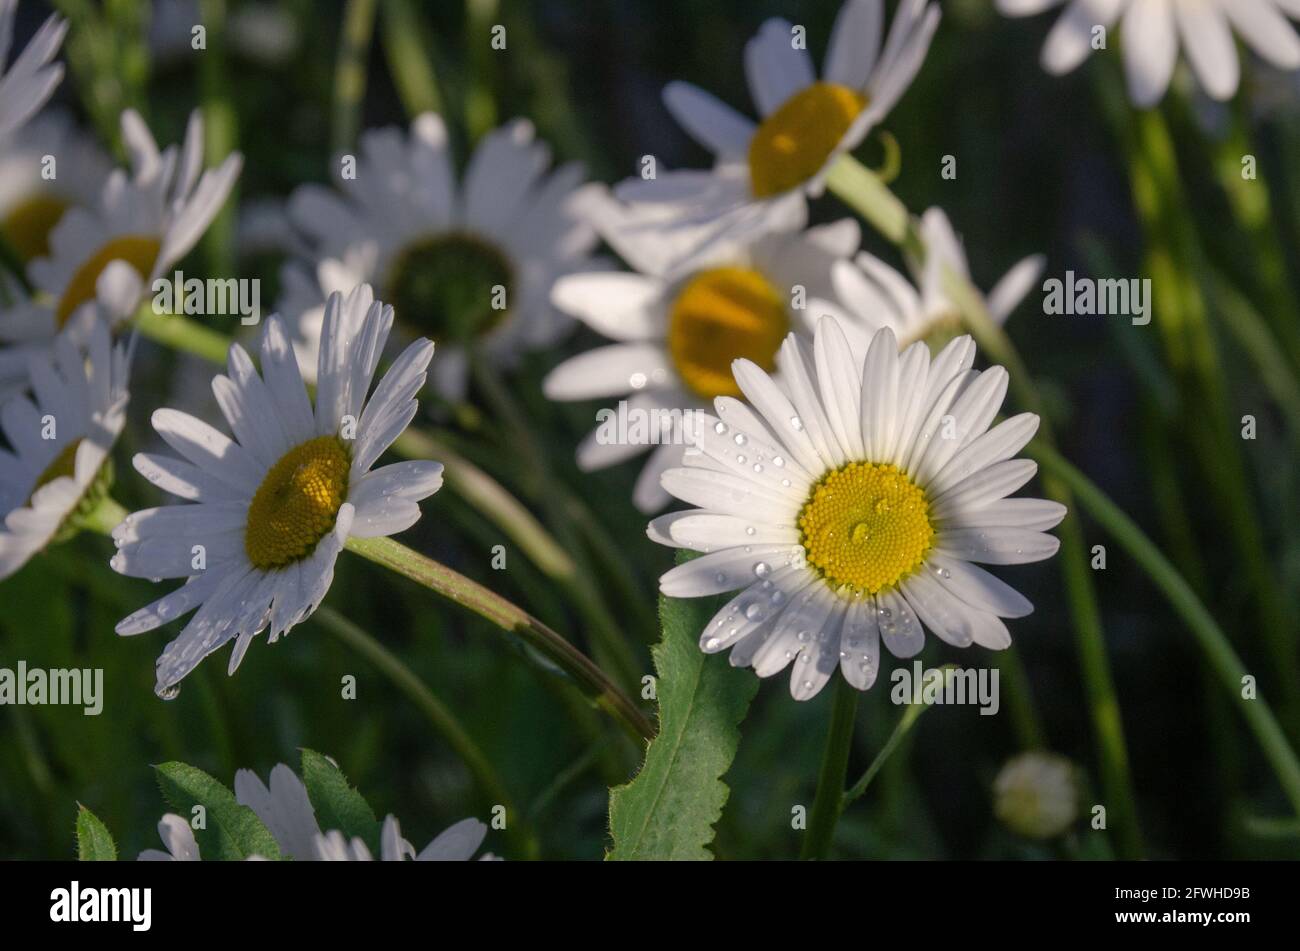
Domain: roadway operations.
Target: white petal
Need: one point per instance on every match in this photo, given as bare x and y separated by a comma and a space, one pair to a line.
1150, 47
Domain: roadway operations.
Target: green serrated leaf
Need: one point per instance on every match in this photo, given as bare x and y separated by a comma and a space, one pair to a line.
668, 810
337, 803
94, 843
231, 831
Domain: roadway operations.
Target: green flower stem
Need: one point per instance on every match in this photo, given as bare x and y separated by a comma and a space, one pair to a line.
184, 334
1176, 262
471, 595
408, 61
608, 642
828, 802
1211, 638
104, 517
443, 721
905, 724
866, 194
480, 102
350, 71
220, 133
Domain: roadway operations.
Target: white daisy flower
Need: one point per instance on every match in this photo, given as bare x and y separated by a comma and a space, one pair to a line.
286, 810
1152, 30
457, 843
1036, 795
31, 79
275, 505
58, 466
806, 123
106, 257
875, 295
679, 328
465, 267
850, 505
31, 203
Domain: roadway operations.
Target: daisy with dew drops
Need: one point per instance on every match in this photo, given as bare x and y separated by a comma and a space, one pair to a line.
287, 812
851, 502
1151, 32
30, 79
676, 329
57, 469
273, 507
468, 264
805, 124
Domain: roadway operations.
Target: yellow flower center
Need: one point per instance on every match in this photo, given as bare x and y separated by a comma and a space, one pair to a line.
138, 250
27, 227
297, 503
793, 143
865, 525
64, 464
721, 315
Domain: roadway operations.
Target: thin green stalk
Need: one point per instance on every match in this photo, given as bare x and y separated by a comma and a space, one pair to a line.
905, 724
471, 595
828, 801
221, 134
1224, 661
481, 18
608, 642
440, 717
350, 71
409, 63
1020, 701
1175, 262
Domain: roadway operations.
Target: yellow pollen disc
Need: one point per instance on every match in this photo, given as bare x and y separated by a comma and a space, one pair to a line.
27, 227
865, 525
139, 251
793, 143
719, 316
64, 464
297, 503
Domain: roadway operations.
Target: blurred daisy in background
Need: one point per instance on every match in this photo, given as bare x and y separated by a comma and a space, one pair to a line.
58, 466
286, 810
1151, 32
851, 504
875, 295
469, 266
275, 505
806, 124
51, 167
105, 257
30, 79
1036, 795
679, 328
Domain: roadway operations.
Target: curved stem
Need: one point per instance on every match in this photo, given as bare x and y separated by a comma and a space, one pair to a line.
1259, 716
828, 802
444, 722
905, 723
510, 618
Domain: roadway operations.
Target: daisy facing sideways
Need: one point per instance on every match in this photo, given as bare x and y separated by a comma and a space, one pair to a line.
30, 79
289, 816
469, 266
106, 256
58, 466
1151, 32
851, 504
677, 330
874, 295
805, 123
274, 506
